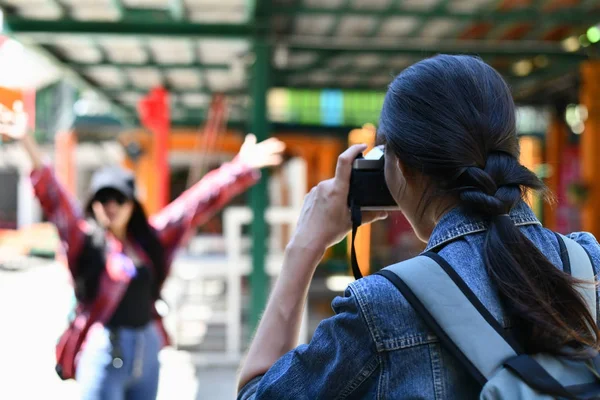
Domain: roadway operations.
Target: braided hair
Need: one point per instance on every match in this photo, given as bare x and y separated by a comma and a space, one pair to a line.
452, 119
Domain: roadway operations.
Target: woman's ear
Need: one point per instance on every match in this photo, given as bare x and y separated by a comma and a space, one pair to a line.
409, 175
415, 179
394, 176
402, 167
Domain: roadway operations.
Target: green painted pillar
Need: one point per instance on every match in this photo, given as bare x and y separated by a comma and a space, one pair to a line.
259, 281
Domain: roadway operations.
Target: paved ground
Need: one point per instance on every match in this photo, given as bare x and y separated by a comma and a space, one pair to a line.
33, 305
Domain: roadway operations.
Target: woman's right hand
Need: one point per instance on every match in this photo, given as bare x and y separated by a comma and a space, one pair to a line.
325, 216
18, 131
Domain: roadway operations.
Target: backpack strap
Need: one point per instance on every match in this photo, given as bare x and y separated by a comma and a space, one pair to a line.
531, 372
465, 327
577, 262
461, 322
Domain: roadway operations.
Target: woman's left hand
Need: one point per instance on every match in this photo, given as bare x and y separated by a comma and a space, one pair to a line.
268, 153
325, 216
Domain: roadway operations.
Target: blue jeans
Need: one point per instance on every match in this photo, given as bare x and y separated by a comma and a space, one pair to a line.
137, 377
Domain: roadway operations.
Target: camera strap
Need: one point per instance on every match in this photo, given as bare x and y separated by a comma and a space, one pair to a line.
356, 216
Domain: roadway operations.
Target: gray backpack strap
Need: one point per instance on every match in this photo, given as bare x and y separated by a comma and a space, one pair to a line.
579, 265
461, 322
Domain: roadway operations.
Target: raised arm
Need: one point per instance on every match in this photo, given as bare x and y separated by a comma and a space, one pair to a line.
200, 202
58, 206
324, 221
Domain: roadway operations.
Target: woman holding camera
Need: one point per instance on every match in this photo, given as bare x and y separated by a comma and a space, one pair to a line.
452, 166
119, 260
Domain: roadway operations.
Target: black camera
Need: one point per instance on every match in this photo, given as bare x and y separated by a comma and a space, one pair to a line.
368, 189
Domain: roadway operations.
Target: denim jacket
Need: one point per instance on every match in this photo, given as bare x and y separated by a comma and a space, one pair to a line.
377, 347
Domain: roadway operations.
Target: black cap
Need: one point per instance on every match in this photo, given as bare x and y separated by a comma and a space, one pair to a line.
113, 178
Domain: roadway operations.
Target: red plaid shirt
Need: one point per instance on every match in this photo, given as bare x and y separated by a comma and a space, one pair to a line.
172, 224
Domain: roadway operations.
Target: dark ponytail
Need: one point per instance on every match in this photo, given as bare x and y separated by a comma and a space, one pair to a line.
540, 298
452, 119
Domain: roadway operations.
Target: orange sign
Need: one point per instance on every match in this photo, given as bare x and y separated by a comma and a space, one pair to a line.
13, 117
367, 135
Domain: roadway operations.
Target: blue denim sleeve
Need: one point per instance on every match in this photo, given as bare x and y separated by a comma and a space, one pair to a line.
249, 390
340, 357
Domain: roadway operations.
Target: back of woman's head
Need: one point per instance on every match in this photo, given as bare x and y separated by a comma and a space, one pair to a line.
451, 119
